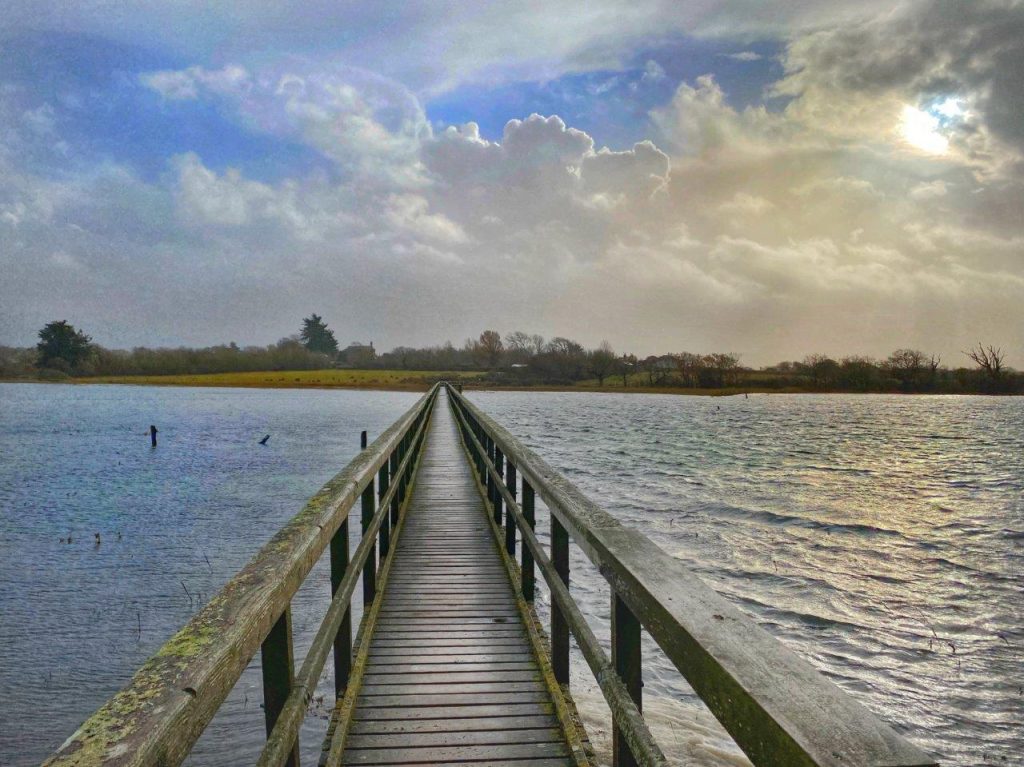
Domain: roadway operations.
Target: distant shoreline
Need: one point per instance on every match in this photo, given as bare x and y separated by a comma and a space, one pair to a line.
407, 380
230, 381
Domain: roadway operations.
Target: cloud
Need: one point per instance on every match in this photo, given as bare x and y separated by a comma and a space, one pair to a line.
366, 123
772, 232
653, 71
925, 57
744, 56
929, 190
430, 48
187, 84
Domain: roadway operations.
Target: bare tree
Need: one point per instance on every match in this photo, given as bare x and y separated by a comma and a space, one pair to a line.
907, 365
490, 347
602, 362
990, 359
823, 369
519, 346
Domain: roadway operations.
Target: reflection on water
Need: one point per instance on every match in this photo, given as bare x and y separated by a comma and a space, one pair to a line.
882, 538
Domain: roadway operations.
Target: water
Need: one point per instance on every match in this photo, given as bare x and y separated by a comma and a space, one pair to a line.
175, 523
872, 535
880, 537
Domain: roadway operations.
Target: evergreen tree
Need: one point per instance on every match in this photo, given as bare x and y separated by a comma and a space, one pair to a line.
61, 346
317, 337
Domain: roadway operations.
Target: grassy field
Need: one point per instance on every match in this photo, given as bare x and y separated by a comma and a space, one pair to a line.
403, 380
400, 380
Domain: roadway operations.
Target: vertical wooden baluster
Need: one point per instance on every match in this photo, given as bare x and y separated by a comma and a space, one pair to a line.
406, 447
559, 628
527, 556
395, 505
485, 450
476, 453
370, 568
510, 521
626, 660
383, 483
499, 467
278, 675
343, 639
490, 477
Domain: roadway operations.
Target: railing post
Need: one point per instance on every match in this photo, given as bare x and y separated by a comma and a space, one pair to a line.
476, 454
490, 476
510, 521
370, 568
406, 444
559, 627
278, 675
626, 660
343, 639
383, 483
395, 504
527, 556
499, 466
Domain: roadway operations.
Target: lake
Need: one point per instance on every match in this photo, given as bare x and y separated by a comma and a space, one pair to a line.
880, 537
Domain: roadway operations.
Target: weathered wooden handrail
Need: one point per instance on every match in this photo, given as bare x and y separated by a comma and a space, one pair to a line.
775, 705
160, 715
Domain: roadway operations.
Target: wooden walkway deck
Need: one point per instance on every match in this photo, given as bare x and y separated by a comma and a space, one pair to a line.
451, 676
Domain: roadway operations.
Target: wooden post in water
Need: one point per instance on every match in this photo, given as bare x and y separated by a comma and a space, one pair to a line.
626, 660
362, 440
278, 675
526, 568
343, 639
559, 627
152, 435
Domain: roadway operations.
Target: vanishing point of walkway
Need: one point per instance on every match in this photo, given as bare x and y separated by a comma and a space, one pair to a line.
451, 675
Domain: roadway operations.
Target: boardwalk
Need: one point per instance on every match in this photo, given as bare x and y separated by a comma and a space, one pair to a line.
451, 676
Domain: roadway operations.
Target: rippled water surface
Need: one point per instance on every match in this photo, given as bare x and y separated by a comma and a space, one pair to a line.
882, 538
175, 523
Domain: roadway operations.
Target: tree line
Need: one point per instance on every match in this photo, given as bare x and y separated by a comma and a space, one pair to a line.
525, 359
64, 351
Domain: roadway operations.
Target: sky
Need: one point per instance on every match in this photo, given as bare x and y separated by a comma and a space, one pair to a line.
771, 179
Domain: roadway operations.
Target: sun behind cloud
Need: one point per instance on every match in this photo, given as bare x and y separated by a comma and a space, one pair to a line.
922, 130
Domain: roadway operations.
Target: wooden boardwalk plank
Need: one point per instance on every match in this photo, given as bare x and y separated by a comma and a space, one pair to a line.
450, 676
435, 754
470, 737
478, 724
453, 712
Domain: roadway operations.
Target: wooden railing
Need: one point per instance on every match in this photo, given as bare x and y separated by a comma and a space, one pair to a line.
776, 706
160, 715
